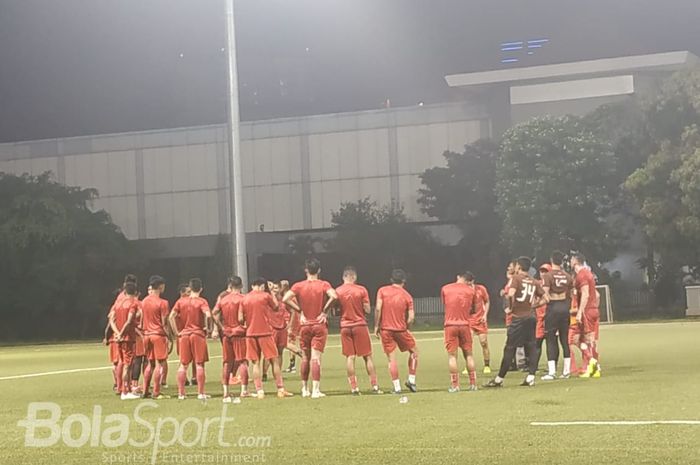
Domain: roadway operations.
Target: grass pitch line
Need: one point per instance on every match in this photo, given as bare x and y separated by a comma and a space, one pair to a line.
616, 423
83, 370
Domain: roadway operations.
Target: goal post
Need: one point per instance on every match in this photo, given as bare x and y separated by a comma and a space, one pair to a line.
606, 304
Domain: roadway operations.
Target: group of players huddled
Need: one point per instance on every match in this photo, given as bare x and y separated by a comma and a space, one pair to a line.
255, 328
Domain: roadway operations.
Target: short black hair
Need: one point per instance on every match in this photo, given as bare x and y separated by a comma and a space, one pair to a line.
234, 282
312, 265
130, 278
467, 275
259, 282
349, 270
524, 262
130, 288
557, 258
156, 281
182, 288
196, 284
398, 276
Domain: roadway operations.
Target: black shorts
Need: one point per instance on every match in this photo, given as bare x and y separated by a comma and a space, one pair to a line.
557, 316
521, 331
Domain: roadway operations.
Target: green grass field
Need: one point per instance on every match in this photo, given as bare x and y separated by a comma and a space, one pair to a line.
651, 372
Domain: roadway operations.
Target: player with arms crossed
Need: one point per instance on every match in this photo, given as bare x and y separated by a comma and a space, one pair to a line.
588, 315
312, 298
524, 294
194, 316
233, 340
122, 319
354, 334
459, 299
254, 313
391, 326
157, 340
558, 284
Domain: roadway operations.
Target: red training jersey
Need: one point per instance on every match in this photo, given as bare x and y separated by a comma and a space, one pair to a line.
396, 301
256, 307
481, 296
458, 300
311, 295
278, 319
129, 305
229, 306
154, 310
191, 312
585, 277
352, 298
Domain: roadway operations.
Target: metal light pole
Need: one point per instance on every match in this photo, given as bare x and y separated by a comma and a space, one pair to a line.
238, 249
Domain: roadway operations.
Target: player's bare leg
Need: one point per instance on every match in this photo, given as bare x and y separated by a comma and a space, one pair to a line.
394, 372
181, 380
485, 352
591, 351
316, 374
372, 372
201, 379
257, 378
352, 379
225, 378
454, 371
161, 367
265, 369
243, 375
305, 372
471, 368
412, 369
147, 376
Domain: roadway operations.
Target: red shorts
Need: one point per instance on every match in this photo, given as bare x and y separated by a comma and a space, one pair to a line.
193, 347
479, 327
458, 337
156, 347
233, 348
392, 339
126, 352
113, 352
280, 337
539, 329
257, 345
139, 347
591, 321
313, 337
355, 340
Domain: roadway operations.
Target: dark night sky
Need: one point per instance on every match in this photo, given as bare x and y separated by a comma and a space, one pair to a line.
72, 67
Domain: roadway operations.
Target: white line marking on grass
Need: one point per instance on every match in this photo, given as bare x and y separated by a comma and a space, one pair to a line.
616, 423
84, 370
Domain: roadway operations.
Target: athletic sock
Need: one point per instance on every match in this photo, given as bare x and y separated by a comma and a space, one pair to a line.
472, 377
567, 366
412, 379
201, 379
393, 370
412, 366
373, 381
315, 370
164, 377
454, 380
147, 375
397, 385
157, 380
258, 384
278, 381
353, 382
181, 378
225, 373
552, 367
487, 363
243, 374
120, 377
315, 386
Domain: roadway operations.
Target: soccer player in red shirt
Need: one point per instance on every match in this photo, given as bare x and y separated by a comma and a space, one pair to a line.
109, 334
524, 294
122, 319
459, 300
588, 314
293, 331
478, 321
312, 298
354, 335
156, 336
195, 317
254, 312
233, 342
391, 326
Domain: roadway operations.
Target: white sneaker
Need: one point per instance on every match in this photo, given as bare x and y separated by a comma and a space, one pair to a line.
305, 393
317, 395
181, 397
130, 396
548, 377
227, 400
236, 400
203, 396
565, 376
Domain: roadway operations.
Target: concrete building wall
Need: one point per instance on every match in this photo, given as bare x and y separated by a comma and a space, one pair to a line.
296, 171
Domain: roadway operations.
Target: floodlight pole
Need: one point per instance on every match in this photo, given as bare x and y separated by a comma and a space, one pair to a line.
238, 245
